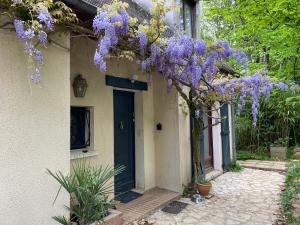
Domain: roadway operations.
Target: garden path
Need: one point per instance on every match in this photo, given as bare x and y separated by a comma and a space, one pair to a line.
249, 197
280, 166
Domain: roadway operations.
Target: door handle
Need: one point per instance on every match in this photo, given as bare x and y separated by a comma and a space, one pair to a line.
121, 126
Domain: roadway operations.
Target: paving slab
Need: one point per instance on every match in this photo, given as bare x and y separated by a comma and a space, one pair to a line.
249, 197
279, 166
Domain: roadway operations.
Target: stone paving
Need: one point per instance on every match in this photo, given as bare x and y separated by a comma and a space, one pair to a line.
279, 166
250, 197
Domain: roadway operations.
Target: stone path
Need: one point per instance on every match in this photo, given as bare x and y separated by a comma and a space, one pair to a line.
250, 197
279, 166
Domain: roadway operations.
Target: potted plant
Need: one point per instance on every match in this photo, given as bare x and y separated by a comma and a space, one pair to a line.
297, 151
90, 190
203, 186
279, 148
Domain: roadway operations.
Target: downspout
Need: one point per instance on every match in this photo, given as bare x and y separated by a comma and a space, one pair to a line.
233, 131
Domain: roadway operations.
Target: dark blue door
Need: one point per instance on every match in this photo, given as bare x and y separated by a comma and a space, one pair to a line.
124, 143
225, 136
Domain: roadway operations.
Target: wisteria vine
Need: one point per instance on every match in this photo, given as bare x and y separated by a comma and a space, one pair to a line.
183, 61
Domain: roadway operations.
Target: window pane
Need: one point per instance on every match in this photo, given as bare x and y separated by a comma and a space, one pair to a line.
181, 20
79, 128
188, 20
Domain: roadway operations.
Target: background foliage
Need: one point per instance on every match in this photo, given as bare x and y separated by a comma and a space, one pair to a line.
269, 32
278, 121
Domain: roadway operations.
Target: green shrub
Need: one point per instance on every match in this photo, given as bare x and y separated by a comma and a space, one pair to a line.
235, 167
261, 153
292, 191
278, 122
90, 189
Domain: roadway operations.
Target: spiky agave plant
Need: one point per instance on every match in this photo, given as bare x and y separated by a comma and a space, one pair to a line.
90, 189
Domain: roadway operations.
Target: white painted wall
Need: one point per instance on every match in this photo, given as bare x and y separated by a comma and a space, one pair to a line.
99, 96
217, 138
172, 143
34, 128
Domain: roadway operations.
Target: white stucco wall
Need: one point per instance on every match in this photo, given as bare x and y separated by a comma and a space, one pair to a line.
99, 96
185, 146
34, 128
172, 143
217, 138
166, 140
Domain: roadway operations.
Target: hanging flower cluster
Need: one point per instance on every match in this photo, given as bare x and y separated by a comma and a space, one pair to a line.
113, 28
34, 33
185, 62
33, 20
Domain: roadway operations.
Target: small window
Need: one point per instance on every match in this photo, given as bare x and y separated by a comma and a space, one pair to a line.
80, 127
187, 17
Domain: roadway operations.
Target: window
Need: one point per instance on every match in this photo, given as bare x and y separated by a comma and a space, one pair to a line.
80, 127
187, 17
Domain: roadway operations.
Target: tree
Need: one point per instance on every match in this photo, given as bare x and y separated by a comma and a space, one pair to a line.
268, 30
197, 70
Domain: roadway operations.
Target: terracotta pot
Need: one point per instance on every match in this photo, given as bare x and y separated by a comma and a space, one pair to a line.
204, 189
296, 150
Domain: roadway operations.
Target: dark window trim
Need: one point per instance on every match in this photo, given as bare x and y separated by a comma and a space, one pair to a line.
88, 124
120, 82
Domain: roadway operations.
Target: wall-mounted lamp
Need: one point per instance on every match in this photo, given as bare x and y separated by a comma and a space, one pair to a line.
133, 78
79, 86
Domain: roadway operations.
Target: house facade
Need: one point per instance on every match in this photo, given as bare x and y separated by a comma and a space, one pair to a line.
121, 120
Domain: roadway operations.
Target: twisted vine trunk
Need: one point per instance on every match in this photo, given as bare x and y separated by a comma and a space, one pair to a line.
196, 134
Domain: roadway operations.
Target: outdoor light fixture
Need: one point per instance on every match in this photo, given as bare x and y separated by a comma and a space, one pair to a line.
79, 86
133, 78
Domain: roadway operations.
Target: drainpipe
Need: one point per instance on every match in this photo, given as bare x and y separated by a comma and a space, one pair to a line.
233, 131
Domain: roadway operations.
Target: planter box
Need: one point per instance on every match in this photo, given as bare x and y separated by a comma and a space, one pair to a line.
115, 217
278, 152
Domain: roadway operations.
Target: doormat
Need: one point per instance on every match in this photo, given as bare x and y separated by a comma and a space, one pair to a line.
128, 196
174, 207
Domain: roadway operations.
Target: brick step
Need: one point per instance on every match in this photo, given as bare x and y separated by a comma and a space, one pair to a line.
151, 201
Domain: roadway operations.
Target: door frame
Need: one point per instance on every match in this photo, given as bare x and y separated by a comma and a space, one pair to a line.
225, 136
210, 141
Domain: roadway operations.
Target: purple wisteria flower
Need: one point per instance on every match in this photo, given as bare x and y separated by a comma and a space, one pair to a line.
227, 49
19, 27
100, 22
38, 57
36, 76
200, 47
43, 37
143, 40
197, 113
45, 17
112, 28
281, 86
29, 34
241, 58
